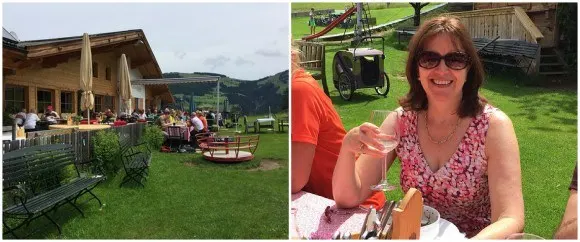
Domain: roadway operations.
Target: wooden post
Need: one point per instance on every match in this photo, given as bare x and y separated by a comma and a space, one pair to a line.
407, 217
14, 129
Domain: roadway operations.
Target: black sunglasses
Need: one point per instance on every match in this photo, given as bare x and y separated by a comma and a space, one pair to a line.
454, 60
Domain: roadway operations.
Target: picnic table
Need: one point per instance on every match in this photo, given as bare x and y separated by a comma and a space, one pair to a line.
405, 31
265, 123
186, 131
307, 219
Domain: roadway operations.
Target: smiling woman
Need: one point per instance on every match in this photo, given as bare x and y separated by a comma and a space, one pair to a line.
458, 151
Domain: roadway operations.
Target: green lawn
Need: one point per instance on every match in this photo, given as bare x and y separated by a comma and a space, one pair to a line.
396, 11
305, 6
544, 120
187, 197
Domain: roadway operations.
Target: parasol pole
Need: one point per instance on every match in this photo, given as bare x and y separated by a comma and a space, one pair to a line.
218, 103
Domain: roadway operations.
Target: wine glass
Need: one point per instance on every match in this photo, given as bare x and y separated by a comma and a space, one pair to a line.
525, 236
387, 121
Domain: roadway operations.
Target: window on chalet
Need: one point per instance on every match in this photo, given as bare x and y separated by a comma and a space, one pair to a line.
98, 103
108, 73
108, 103
44, 99
95, 69
66, 102
14, 100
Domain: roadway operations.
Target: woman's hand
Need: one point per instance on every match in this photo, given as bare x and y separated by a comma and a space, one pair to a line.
365, 139
353, 175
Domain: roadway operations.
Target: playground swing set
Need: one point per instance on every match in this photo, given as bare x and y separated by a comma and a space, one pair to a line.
357, 67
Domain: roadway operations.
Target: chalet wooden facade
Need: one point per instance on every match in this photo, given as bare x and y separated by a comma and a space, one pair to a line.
543, 15
46, 72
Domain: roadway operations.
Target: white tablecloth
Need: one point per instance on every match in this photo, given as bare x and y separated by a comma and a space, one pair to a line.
265, 120
307, 219
7, 135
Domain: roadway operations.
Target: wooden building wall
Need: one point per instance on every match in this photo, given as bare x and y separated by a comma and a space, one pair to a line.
543, 15
64, 77
507, 22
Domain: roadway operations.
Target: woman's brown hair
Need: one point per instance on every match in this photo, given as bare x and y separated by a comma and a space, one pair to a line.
472, 102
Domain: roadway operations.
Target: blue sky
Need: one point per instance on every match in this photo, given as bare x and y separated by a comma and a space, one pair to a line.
241, 40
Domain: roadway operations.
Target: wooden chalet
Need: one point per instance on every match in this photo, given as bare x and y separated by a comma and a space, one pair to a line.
38, 73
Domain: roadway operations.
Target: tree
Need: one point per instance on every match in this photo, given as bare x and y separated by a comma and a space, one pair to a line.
567, 18
418, 7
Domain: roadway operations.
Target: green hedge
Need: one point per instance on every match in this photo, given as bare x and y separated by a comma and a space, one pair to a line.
153, 137
107, 150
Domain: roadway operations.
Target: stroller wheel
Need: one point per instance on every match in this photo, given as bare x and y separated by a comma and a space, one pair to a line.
386, 87
345, 86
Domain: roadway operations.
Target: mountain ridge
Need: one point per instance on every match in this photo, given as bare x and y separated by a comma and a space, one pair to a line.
248, 97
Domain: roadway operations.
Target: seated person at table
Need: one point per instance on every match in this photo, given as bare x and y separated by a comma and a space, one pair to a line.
569, 225
20, 117
109, 116
197, 125
316, 140
30, 121
122, 116
142, 115
203, 120
153, 114
460, 152
210, 118
164, 121
51, 115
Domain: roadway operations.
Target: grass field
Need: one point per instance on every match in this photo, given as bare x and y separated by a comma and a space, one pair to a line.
379, 11
545, 121
187, 197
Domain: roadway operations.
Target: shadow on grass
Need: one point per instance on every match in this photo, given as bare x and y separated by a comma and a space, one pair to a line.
358, 97
544, 129
536, 102
391, 40
42, 228
197, 161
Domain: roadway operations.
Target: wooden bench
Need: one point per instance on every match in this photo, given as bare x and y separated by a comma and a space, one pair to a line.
232, 149
312, 58
405, 32
508, 52
136, 161
36, 181
283, 122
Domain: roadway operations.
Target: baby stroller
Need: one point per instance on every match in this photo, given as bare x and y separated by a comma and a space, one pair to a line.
356, 68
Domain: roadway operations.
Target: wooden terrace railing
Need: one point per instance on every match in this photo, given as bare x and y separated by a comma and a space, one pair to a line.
81, 140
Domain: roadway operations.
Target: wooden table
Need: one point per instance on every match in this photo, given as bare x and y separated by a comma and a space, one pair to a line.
307, 219
80, 127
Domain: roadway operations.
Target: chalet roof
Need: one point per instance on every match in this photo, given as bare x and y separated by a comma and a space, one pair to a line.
9, 41
165, 81
133, 43
8, 35
72, 38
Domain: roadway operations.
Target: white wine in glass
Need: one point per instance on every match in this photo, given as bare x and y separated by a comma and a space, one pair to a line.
387, 121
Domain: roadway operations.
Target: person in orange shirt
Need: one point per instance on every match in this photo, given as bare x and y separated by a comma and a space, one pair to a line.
317, 135
203, 120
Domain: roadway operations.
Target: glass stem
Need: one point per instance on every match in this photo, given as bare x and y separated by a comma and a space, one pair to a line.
385, 170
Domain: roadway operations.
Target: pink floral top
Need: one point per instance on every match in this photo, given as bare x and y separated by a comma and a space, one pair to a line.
459, 190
